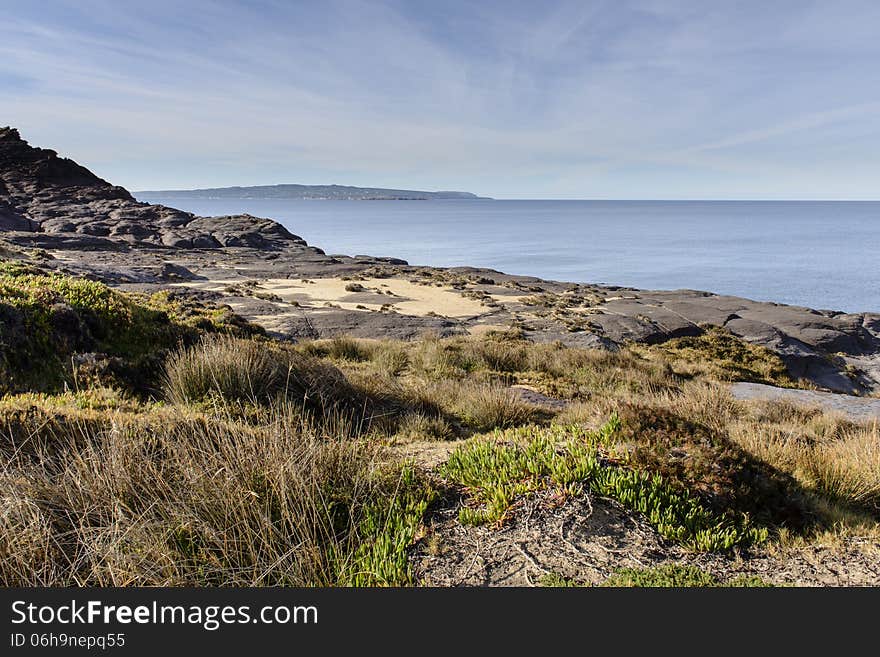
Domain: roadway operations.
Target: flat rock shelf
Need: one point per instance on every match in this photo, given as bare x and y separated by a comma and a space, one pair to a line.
859, 409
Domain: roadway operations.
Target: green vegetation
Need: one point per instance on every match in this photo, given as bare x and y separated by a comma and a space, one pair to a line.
674, 575
722, 356
386, 531
48, 319
498, 470
663, 576
557, 581
693, 457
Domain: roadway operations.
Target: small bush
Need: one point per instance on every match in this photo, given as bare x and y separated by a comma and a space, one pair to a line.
491, 406
250, 371
415, 425
345, 348
439, 360
501, 356
391, 360
693, 457
722, 356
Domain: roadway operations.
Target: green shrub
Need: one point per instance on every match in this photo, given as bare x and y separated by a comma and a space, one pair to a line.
48, 319
725, 357
498, 470
693, 457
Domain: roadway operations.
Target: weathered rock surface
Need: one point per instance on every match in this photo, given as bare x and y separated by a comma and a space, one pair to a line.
41, 192
858, 409
815, 345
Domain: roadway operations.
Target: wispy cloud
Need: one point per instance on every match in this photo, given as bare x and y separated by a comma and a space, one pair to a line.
633, 99
810, 121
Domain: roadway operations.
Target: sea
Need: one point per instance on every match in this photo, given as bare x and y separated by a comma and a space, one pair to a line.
823, 255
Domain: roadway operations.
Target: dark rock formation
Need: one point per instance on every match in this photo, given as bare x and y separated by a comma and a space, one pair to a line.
815, 345
43, 193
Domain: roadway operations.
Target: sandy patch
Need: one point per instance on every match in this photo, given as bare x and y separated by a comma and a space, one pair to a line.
209, 286
406, 298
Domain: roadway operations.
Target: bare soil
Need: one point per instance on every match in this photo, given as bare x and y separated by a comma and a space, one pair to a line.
590, 538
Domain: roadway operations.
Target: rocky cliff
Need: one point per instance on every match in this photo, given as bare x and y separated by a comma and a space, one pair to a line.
43, 193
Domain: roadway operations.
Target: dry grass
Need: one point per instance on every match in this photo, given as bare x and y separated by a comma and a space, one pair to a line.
825, 452
100, 488
255, 372
417, 425
189, 502
486, 407
391, 359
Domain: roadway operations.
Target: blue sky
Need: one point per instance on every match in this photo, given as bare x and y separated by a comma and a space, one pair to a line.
643, 99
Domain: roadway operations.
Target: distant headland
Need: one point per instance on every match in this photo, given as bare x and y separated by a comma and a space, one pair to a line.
309, 192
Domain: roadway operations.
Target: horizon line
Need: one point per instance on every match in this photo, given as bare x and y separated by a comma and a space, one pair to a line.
502, 198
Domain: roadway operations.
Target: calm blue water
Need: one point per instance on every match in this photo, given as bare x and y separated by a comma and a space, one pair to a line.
817, 254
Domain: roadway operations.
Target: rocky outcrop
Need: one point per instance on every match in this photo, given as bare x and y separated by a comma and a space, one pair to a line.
41, 192
815, 345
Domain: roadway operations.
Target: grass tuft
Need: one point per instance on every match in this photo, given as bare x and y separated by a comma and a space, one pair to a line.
256, 372
488, 406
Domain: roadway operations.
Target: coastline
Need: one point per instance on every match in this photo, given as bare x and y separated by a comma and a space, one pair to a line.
790, 253
85, 226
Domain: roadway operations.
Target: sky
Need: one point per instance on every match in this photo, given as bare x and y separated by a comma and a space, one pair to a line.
622, 99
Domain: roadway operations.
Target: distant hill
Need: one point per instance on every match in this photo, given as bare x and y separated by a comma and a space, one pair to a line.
310, 192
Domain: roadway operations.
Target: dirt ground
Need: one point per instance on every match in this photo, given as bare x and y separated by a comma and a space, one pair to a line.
589, 539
